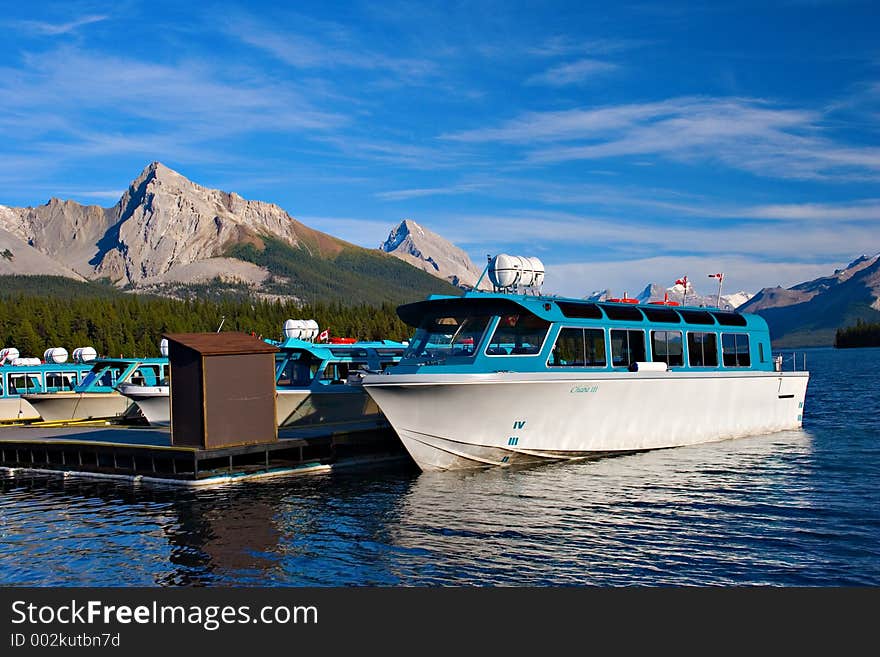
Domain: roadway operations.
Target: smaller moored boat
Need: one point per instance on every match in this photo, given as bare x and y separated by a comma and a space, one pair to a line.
315, 382
21, 376
96, 396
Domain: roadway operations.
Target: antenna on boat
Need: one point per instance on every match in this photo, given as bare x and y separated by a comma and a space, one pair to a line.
720, 278
222, 319
483, 275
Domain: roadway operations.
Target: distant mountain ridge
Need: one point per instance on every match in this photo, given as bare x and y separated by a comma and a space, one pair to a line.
809, 313
432, 253
676, 293
167, 231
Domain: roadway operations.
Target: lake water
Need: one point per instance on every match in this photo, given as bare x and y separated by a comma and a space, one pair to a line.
795, 508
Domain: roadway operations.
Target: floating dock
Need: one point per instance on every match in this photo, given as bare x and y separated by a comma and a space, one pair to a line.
147, 454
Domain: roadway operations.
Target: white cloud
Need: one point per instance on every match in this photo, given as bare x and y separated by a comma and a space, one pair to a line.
575, 72
561, 46
54, 29
742, 133
331, 47
406, 194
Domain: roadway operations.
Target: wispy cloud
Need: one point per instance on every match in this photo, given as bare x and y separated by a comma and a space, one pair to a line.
331, 48
55, 29
584, 232
101, 104
577, 72
747, 134
563, 46
406, 194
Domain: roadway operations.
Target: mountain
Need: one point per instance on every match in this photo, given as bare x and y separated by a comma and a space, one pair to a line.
17, 257
167, 233
808, 314
429, 252
655, 292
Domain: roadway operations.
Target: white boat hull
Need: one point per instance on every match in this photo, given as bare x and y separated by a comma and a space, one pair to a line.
335, 405
154, 402
16, 409
59, 406
293, 408
458, 421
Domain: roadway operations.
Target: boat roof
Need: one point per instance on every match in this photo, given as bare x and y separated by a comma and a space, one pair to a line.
559, 309
325, 349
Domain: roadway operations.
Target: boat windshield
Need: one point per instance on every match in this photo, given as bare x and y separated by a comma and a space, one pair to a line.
296, 369
440, 337
104, 376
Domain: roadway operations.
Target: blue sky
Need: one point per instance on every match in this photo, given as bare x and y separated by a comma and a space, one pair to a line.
621, 144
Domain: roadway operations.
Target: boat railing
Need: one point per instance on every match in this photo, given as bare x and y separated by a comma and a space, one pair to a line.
791, 361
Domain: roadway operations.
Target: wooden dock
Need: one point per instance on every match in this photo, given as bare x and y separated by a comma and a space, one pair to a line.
146, 454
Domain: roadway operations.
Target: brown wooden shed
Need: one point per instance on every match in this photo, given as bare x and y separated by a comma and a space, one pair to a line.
222, 389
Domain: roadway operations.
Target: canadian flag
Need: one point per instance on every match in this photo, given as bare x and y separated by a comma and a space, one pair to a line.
324, 335
720, 277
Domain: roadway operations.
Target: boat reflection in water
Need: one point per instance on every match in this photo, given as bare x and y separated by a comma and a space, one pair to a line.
736, 512
721, 513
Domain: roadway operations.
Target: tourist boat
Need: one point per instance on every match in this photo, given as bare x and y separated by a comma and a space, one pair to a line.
316, 382
21, 376
96, 397
320, 383
152, 400
511, 376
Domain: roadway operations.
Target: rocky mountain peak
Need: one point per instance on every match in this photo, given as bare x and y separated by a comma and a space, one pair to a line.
432, 253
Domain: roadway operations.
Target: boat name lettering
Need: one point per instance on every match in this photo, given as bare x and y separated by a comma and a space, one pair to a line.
584, 389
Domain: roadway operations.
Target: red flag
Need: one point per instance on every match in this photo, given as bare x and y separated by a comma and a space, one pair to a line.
325, 335
720, 277
682, 281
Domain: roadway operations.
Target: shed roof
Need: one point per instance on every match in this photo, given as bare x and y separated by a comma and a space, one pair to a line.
218, 344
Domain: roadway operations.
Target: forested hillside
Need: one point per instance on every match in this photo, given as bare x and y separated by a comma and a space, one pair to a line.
68, 314
863, 334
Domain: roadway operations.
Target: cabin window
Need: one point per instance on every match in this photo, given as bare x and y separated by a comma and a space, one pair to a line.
702, 350
146, 375
56, 381
666, 347
1, 385
730, 319
337, 372
22, 384
392, 353
579, 310
624, 312
579, 348
297, 370
696, 317
662, 315
761, 352
735, 347
442, 337
627, 347
518, 334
